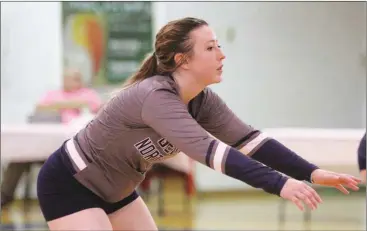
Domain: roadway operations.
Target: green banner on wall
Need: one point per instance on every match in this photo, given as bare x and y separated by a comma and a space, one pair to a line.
106, 40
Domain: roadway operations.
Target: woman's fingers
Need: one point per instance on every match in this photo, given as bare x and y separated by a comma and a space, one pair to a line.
300, 193
342, 189
305, 199
355, 179
353, 187
308, 197
315, 194
349, 179
312, 198
349, 182
298, 202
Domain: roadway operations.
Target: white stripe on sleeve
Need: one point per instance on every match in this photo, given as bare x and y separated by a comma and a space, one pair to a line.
247, 149
218, 156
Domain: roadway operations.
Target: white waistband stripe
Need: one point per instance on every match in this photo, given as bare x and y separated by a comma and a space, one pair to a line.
75, 156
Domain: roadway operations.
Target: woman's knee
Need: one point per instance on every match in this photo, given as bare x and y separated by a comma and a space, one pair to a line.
134, 216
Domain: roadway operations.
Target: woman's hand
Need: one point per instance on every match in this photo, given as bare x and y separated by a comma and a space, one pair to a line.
337, 180
299, 192
363, 175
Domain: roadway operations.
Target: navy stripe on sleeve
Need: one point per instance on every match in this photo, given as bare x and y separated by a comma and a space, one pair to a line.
209, 153
245, 138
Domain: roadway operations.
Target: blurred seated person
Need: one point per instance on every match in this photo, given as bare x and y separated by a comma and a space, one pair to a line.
68, 104
72, 99
362, 158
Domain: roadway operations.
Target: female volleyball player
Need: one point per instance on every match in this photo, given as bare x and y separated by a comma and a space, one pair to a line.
362, 158
89, 182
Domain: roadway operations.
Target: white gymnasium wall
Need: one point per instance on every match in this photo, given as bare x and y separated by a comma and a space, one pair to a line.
31, 59
290, 64
31, 56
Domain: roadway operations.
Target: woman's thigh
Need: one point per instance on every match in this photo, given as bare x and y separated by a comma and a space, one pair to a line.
88, 219
64, 202
134, 216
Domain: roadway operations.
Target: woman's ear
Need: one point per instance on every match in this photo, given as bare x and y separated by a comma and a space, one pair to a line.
181, 59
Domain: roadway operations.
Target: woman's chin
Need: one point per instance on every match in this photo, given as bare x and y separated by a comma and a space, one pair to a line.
215, 79
218, 78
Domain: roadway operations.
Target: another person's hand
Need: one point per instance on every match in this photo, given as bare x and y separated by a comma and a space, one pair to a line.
299, 192
363, 175
337, 180
62, 105
69, 104
77, 103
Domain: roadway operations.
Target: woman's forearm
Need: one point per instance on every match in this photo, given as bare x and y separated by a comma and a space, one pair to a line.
275, 155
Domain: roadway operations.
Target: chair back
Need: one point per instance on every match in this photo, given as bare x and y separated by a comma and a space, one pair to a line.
44, 117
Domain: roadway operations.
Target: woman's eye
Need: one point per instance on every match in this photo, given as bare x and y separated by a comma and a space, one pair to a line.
210, 48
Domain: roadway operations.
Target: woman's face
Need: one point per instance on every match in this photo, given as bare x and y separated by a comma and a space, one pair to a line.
72, 81
207, 60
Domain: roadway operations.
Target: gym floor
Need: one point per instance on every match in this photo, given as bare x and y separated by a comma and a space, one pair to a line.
225, 211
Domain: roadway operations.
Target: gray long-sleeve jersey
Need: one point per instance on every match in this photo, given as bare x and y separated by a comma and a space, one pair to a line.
148, 122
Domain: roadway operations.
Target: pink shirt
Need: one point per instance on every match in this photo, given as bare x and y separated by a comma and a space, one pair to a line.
83, 94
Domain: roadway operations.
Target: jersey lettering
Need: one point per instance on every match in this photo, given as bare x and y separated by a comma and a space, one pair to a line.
167, 147
148, 150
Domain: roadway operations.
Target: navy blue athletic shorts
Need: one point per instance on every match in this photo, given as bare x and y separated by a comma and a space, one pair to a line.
60, 194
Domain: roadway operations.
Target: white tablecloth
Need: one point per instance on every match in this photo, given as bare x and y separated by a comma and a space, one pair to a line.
30, 142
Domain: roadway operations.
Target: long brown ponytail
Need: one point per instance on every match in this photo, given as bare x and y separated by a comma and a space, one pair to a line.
147, 69
172, 39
